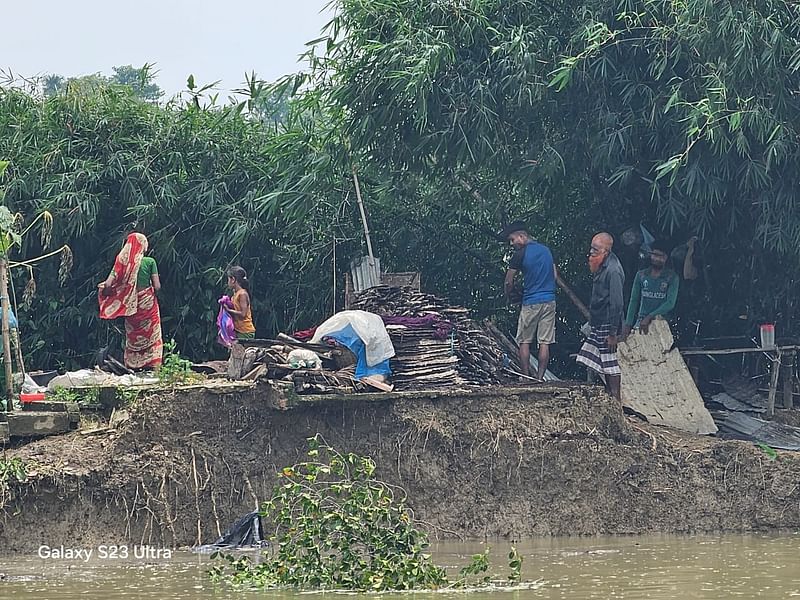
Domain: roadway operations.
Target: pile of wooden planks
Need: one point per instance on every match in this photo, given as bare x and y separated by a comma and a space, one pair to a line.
319, 381
420, 360
479, 355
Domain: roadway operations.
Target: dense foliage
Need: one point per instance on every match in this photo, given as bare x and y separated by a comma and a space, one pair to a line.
215, 186
456, 117
193, 179
11, 470
692, 109
338, 527
678, 115
141, 82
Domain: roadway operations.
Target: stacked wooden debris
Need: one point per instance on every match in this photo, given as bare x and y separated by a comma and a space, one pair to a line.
323, 381
436, 345
479, 356
269, 359
422, 361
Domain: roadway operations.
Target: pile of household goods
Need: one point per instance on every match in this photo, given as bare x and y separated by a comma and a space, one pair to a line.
348, 352
394, 339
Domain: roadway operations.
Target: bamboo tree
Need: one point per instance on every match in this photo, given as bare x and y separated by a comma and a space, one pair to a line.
7, 238
681, 116
11, 236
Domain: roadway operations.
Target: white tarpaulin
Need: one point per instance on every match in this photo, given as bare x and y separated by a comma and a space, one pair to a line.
368, 326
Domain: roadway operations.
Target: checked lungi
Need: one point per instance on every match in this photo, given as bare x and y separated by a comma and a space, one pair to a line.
596, 354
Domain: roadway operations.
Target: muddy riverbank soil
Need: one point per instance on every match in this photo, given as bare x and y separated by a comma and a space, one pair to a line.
536, 461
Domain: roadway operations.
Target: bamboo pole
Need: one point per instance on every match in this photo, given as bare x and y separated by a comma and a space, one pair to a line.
363, 218
723, 351
6, 332
573, 297
377, 276
334, 275
16, 344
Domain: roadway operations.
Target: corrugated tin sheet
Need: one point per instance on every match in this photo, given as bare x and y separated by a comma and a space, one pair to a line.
365, 275
728, 402
745, 390
744, 427
657, 384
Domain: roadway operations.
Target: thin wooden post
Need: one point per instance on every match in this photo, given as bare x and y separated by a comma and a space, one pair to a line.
334, 275
773, 383
363, 215
6, 333
16, 344
788, 381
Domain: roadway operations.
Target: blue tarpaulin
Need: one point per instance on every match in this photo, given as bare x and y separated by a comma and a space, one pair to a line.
349, 338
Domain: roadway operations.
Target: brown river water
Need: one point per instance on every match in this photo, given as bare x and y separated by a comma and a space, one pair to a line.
729, 566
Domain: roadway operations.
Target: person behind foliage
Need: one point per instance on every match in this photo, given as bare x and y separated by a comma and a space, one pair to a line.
240, 308
654, 292
130, 291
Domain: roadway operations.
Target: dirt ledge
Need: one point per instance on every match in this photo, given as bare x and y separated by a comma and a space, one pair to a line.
561, 460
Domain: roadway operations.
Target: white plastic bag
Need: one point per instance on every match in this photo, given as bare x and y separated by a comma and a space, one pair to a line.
85, 378
29, 386
300, 358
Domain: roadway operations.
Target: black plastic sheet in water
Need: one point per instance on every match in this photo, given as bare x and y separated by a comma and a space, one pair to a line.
246, 533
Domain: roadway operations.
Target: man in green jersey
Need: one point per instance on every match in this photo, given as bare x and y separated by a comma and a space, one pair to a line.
654, 292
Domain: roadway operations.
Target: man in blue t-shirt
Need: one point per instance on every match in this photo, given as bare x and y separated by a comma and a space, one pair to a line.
537, 319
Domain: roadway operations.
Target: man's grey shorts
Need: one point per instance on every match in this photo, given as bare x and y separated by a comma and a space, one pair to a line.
537, 321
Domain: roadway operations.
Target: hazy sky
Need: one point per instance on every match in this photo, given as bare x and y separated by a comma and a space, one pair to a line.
214, 40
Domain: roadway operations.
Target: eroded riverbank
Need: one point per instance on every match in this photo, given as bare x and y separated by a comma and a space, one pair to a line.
512, 463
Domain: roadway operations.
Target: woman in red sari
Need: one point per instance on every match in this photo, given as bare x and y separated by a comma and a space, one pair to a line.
130, 292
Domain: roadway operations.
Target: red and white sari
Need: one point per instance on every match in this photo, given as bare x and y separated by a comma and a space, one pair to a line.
143, 343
